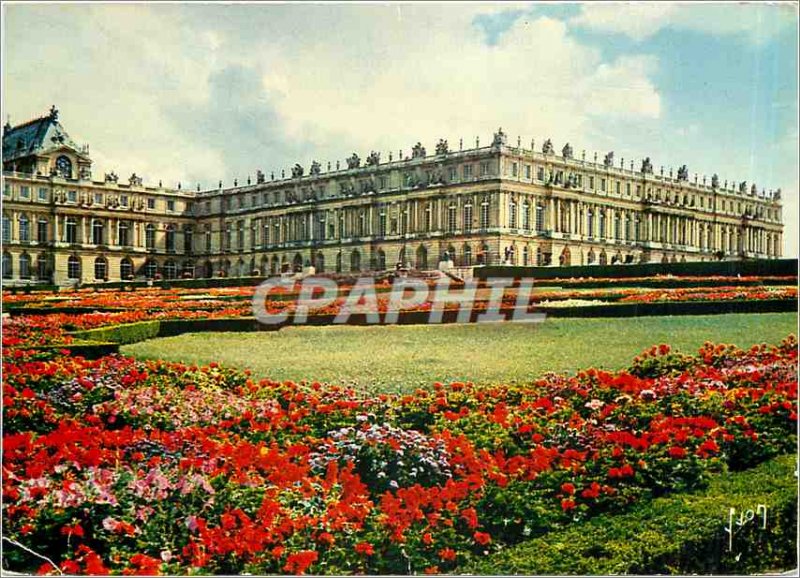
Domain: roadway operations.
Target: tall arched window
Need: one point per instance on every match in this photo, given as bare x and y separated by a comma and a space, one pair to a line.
8, 265
170, 270
123, 234
126, 269
71, 230
41, 268
98, 232
6, 229
188, 236
150, 236
24, 266
590, 223
74, 267
170, 238
467, 256
24, 228
381, 260
151, 269
100, 268
41, 230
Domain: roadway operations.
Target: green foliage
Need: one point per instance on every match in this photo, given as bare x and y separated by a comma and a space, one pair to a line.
122, 334
678, 534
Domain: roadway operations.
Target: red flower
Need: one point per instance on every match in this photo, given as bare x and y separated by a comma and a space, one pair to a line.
482, 538
299, 562
568, 488
591, 492
567, 505
676, 452
74, 530
365, 548
447, 554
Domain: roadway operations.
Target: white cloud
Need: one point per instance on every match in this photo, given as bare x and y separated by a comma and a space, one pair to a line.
644, 19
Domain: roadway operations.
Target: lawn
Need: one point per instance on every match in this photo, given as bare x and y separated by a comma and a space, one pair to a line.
402, 358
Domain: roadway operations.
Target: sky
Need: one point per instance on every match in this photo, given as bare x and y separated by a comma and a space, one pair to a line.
201, 93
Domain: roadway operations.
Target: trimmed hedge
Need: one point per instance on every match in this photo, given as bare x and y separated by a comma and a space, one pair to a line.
778, 267
679, 534
122, 334
89, 349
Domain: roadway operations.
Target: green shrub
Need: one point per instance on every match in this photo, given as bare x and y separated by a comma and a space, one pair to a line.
679, 534
121, 334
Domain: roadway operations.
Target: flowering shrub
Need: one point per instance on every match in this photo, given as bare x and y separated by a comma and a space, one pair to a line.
125, 466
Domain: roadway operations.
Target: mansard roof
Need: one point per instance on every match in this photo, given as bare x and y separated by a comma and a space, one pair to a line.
36, 136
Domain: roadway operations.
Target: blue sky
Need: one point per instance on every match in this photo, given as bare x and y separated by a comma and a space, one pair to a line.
213, 92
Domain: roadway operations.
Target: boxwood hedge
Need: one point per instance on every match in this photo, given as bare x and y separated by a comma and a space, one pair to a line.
678, 534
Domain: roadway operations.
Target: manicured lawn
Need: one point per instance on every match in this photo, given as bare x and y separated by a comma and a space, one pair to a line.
400, 359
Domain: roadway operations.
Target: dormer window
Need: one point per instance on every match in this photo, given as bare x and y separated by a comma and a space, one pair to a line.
64, 167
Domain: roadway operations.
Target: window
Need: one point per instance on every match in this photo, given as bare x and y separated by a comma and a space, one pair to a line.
617, 184
170, 239
617, 227
526, 216
253, 199
484, 215
512, 214
628, 189
539, 174
451, 218
382, 225
188, 234
150, 269
170, 205
74, 267
590, 223
467, 255
41, 268
484, 168
527, 171
382, 182
126, 268
150, 236
539, 217
123, 200
72, 196
41, 230
98, 230
603, 185
71, 230
240, 234
123, 234
468, 217
514, 169
100, 268
404, 222
98, 198
428, 217
602, 225
6, 229
453, 174
467, 172
151, 203
6, 190
24, 266
25, 192
24, 229
8, 266
170, 270
591, 183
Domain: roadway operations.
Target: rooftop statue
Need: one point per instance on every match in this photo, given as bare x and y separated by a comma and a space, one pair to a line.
374, 159
566, 152
135, 181
441, 147
714, 181
647, 166
743, 187
418, 151
500, 138
683, 173
608, 161
753, 190
315, 169
547, 147
354, 161
297, 171
111, 177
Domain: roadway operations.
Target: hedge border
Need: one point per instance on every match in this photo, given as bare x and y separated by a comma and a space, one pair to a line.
678, 534
759, 267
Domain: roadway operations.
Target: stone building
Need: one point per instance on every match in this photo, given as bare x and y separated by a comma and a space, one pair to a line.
483, 205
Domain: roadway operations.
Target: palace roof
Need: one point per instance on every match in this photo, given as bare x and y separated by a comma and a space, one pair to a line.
35, 136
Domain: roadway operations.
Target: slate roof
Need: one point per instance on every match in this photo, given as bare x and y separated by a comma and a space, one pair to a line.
35, 136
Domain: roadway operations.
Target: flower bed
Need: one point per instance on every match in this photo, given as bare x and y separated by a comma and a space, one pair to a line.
154, 467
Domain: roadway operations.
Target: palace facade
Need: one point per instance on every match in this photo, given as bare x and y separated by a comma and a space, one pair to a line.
482, 205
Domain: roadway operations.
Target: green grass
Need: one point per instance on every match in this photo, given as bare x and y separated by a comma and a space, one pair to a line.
401, 358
